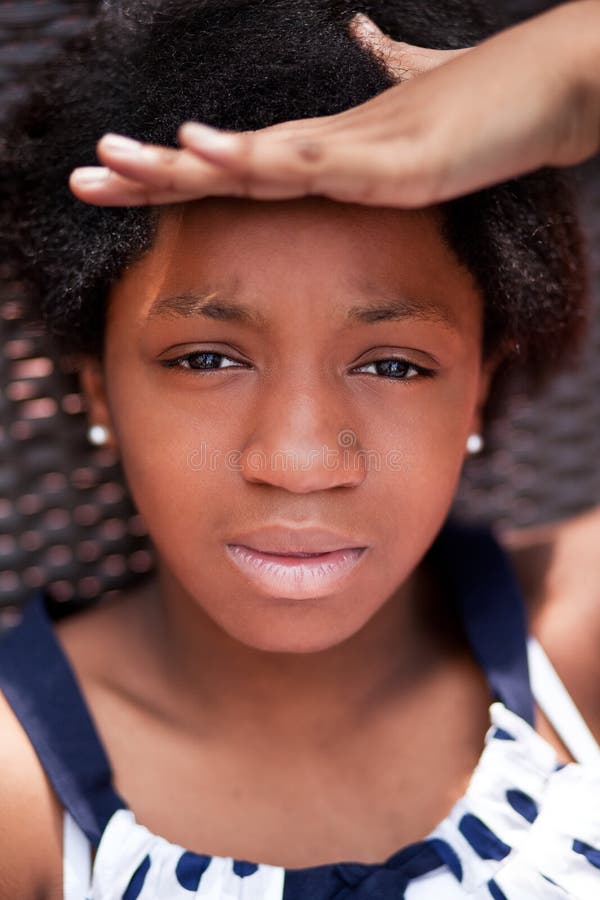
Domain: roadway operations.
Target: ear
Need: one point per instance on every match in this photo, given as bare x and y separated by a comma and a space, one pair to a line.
92, 386
488, 370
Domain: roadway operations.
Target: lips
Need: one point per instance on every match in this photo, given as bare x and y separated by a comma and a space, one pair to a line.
292, 540
295, 576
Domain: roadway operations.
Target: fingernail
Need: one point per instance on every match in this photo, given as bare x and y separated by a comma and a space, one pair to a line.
116, 143
205, 137
90, 175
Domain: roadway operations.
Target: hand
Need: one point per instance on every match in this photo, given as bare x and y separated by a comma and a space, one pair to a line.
458, 121
151, 174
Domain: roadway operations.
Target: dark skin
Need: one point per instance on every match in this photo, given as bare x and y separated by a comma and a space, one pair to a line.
557, 564
236, 696
303, 380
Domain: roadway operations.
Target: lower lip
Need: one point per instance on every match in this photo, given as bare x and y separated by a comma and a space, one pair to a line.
296, 577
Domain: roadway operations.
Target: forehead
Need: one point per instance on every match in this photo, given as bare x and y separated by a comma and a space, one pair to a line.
310, 251
317, 227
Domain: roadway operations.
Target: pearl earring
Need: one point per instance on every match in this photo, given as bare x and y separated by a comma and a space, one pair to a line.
474, 443
98, 434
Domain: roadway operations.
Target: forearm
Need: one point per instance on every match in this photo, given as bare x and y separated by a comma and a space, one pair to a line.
587, 69
570, 34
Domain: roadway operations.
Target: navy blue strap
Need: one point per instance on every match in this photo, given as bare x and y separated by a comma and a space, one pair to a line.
41, 687
490, 602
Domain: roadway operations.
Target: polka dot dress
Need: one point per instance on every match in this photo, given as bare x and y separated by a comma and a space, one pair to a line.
526, 827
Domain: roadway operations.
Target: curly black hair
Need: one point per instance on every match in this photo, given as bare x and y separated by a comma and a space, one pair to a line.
145, 66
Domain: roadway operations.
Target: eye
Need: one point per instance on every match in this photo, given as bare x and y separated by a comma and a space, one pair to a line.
208, 361
398, 369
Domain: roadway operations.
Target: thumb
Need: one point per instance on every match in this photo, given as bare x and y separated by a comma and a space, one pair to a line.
372, 37
402, 60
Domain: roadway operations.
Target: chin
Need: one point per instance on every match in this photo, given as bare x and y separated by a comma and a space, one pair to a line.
292, 636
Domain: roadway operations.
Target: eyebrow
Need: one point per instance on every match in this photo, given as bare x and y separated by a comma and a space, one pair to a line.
403, 308
209, 305
191, 305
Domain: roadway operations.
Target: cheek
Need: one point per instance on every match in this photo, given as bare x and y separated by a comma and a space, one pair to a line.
420, 436
178, 452
420, 448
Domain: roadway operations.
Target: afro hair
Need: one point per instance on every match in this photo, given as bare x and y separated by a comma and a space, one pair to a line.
145, 66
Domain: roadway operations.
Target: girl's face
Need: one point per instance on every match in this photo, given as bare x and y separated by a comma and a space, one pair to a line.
291, 363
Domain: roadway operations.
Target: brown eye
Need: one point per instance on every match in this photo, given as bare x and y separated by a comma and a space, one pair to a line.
201, 361
397, 369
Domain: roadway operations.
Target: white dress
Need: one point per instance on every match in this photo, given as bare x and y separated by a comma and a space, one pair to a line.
544, 825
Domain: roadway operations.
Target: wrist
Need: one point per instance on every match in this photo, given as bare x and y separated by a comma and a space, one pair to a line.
576, 26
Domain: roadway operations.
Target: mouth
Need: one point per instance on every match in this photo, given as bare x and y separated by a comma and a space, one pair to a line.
295, 575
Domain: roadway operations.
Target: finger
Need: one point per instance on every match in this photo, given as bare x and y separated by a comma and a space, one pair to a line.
422, 59
164, 169
290, 155
101, 187
229, 148
402, 60
373, 38
293, 166
182, 175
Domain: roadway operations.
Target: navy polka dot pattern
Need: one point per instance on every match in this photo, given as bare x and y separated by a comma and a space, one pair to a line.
244, 869
591, 853
190, 868
449, 856
482, 839
522, 803
134, 888
495, 891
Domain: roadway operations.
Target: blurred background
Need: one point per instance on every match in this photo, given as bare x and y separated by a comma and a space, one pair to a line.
66, 520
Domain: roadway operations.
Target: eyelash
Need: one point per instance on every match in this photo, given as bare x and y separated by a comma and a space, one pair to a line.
177, 364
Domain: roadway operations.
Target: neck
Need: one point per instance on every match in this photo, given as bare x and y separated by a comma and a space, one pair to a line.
217, 678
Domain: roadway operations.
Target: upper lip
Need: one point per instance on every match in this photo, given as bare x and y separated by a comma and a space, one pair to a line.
292, 539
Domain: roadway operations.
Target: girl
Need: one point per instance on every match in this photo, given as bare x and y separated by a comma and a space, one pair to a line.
328, 688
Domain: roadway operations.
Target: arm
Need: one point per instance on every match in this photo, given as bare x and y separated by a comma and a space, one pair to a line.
30, 819
527, 97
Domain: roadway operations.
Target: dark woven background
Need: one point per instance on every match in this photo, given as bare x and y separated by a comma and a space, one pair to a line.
66, 520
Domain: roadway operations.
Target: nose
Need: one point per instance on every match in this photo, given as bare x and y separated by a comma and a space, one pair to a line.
301, 441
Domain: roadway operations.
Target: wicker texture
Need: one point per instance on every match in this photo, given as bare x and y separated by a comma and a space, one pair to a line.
66, 519
545, 452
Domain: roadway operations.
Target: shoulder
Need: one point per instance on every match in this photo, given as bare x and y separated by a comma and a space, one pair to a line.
558, 567
106, 645
31, 820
